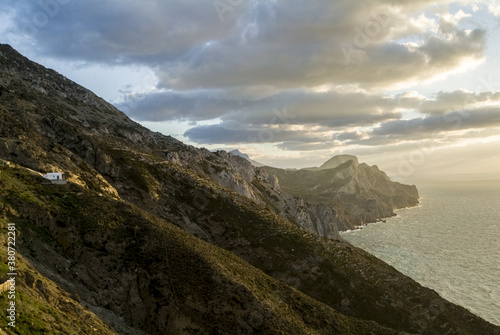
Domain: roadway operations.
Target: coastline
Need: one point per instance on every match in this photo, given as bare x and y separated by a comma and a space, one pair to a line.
432, 246
381, 220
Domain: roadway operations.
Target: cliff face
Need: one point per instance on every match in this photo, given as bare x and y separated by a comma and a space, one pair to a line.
238, 174
151, 236
356, 193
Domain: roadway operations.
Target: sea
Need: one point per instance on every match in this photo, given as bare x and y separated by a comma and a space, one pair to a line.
449, 243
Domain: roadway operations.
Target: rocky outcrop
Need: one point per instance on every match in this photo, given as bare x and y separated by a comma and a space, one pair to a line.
339, 195
240, 175
356, 193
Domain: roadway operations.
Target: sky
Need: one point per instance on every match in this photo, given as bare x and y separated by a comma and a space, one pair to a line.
410, 86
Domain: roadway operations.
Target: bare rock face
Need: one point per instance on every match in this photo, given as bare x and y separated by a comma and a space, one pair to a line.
356, 193
339, 195
239, 175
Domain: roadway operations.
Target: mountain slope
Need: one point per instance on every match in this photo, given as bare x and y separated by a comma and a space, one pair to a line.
118, 258
42, 305
112, 235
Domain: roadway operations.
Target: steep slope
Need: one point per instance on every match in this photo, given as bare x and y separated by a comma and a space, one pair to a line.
111, 235
358, 193
122, 262
42, 306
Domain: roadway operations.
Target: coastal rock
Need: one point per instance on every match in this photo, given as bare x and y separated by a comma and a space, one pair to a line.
356, 193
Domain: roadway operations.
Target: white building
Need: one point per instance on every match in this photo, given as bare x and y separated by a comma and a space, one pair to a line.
54, 176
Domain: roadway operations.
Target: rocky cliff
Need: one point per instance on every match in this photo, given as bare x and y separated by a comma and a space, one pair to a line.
238, 174
151, 236
356, 193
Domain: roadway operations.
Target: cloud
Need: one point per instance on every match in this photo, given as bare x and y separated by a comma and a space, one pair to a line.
289, 45
494, 9
307, 146
237, 133
446, 54
193, 105
332, 108
304, 76
456, 120
112, 31
457, 100
338, 43
314, 119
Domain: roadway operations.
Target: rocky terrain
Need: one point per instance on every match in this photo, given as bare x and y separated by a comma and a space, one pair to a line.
151, 236
357, 193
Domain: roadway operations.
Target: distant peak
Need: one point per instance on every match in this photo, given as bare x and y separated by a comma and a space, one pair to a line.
338, 160
236, 152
